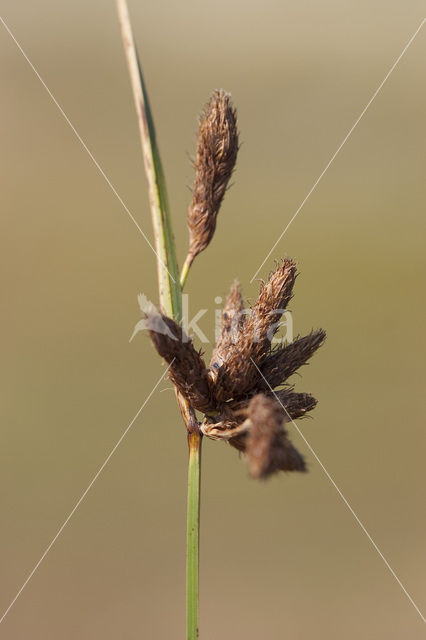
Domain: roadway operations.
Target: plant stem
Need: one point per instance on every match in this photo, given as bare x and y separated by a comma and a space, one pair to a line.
185, 270
193, 530
168, 275
170, 292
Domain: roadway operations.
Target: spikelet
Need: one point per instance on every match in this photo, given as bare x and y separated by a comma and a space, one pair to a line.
268, 448
217, 150
283, 362
233, 319
239, 372
187, 369
296, 405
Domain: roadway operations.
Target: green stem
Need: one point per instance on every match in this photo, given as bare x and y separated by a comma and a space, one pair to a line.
193, 531
185, 270
170, 292
168, 274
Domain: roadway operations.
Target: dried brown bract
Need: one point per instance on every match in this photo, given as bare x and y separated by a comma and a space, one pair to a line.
217, 150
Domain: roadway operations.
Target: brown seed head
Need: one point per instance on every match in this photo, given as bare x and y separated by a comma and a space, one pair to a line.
238, 373
296, 405
273, 299
215, 161
283, 362
187, 369
233, 319
268, 448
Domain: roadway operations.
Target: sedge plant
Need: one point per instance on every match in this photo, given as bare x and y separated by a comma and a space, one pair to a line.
242, 395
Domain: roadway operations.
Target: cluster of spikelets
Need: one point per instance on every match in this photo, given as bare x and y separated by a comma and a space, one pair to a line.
237, 391
243, 393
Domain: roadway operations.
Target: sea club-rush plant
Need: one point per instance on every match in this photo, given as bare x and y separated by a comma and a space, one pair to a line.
243, 396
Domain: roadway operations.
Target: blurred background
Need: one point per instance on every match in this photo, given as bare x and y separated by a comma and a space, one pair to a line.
281, 559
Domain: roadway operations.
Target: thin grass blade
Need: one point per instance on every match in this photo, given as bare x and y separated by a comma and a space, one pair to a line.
168, 274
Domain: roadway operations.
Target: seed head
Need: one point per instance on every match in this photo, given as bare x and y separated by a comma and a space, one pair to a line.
284, 361
233, 319
237, 393
296, 405
217, 150
239, 371
268, 448
187, 369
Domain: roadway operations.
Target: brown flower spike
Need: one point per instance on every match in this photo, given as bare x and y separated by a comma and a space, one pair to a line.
268, 447
236, 392
233, 319
217, 150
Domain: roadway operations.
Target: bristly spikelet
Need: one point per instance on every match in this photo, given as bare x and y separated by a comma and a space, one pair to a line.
217, 150
239, 372
274, 297
187, 369
285, 361
233, 318
268, 448
296, 405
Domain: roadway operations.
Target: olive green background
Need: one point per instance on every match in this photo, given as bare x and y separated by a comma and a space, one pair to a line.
282, 559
